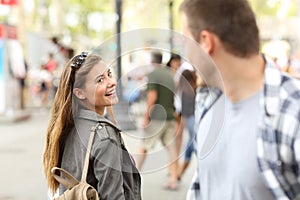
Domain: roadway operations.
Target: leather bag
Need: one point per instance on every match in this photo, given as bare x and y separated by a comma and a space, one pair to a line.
77, 190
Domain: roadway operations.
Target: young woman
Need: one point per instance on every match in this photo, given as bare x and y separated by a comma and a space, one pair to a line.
188, 85
86, 88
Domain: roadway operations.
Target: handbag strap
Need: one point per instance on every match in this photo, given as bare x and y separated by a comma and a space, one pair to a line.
88, 152
69, 182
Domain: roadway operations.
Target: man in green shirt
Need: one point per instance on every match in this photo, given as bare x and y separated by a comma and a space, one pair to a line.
159, 121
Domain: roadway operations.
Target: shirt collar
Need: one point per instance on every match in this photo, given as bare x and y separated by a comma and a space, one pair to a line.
272, 84
271, 96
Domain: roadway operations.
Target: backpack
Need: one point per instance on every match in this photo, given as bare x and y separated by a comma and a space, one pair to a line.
77, 190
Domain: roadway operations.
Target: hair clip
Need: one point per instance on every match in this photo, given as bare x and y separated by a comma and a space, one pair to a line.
78, 60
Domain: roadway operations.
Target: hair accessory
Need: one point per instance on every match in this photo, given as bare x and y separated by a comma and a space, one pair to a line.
78, 60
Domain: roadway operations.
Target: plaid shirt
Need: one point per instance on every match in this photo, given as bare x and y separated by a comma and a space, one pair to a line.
278, 135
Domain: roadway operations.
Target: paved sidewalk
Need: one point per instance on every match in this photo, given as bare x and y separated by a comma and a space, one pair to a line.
155, 172
21, 149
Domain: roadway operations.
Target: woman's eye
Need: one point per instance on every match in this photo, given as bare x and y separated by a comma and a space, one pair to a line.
100, 80
109, 74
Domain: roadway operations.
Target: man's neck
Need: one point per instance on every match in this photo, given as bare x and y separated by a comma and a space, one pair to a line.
242, 77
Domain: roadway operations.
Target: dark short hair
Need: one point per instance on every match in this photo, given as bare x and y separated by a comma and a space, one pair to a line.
233, 21
174, 56
156, 57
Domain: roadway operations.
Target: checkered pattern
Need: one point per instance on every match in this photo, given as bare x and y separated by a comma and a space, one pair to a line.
278, 136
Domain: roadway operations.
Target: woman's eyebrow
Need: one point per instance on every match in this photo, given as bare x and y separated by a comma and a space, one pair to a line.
99, 76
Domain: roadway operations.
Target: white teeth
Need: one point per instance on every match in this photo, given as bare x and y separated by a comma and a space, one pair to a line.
110, 93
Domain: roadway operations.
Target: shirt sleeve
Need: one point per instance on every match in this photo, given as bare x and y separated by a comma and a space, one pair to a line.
152, 83
108, 170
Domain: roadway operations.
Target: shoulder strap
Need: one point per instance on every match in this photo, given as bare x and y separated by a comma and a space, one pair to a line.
69, 182
88, 151
90, 143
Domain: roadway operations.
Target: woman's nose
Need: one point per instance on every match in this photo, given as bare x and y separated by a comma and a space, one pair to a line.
111, 82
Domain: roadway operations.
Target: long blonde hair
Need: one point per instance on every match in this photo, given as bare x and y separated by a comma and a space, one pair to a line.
64, 107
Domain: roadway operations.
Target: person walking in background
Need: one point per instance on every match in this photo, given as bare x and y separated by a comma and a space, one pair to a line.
178, 104
288, 68
188, 85
86, 88
159, 121
131, 92
174, 63
45, 84
51, 64
52, 67
256, 151
177, 68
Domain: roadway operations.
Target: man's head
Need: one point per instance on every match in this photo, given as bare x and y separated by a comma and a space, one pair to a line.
156, 57
232, 21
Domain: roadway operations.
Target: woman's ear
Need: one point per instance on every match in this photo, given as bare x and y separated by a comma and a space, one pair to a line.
79, 93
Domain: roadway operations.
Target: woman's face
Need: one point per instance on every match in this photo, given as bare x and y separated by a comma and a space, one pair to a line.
175, 64
100, 88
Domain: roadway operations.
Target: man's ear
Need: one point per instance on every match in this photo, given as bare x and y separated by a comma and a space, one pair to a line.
79, 93
207, 41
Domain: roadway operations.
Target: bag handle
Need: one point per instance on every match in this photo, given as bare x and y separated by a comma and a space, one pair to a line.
69, 182
88, 152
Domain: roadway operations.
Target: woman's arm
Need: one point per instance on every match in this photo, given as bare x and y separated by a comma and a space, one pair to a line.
108, 170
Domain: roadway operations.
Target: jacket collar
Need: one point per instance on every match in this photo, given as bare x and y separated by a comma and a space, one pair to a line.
93, 116
272, 82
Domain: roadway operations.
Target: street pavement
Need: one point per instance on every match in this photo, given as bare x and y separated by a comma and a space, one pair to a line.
21, 174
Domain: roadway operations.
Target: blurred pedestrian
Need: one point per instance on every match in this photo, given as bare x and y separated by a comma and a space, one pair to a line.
52, 67
257, 153
288, 68
174, 64
23, 86
45, 85
131, 92
51, 64
188, 85
86, 88
184, 66
159, 122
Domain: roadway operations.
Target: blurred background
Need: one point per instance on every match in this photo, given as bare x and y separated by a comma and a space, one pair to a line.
37, 37
31, 30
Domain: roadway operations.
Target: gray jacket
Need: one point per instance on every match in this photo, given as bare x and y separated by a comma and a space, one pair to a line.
111, 171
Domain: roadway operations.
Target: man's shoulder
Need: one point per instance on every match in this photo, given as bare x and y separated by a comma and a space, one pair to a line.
161, 69
282, 96
290, 93
290, 87
280, 87
161, 72
289, 81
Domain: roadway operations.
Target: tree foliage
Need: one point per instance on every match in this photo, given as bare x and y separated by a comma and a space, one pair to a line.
271, 7
82, 8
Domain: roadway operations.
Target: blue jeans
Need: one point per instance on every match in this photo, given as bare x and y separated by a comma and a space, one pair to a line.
189, 148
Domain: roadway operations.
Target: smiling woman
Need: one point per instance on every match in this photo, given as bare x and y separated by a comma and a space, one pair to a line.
86, 88
99, 90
